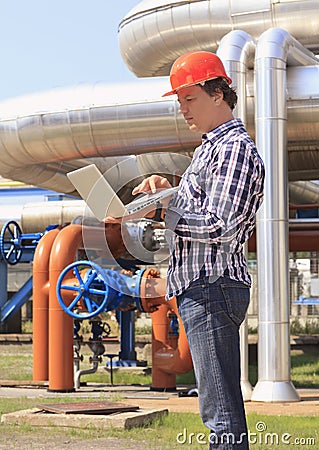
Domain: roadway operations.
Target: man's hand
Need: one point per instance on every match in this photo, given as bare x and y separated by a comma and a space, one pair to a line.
149, 185
152, 184
112, 220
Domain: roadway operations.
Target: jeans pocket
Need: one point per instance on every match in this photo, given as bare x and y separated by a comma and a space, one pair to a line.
237, 297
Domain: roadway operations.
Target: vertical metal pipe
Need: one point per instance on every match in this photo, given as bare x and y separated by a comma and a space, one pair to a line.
275, 49
237, 51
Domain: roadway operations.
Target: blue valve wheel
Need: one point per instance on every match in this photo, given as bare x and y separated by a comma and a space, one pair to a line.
90, 292
10, 238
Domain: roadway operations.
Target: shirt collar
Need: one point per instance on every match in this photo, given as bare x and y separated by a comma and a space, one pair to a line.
221, 129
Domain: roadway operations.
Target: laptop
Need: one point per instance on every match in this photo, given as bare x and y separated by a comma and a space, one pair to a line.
102, 200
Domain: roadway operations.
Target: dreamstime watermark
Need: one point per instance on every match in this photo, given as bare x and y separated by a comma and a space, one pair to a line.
260, 436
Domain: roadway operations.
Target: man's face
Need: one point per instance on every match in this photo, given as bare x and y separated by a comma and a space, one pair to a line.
198, 108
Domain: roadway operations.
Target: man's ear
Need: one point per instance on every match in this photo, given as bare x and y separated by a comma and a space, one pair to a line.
218, 96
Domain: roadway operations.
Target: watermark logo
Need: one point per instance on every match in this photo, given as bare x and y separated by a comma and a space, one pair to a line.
260, 436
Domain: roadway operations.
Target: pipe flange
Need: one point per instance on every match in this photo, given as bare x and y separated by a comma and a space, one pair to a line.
152, 290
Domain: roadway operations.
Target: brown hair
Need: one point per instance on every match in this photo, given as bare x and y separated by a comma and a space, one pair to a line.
220, 84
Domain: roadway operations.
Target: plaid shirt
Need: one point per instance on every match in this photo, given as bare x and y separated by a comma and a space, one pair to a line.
213, 213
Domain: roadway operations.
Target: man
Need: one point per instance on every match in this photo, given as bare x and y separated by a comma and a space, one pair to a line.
208, 221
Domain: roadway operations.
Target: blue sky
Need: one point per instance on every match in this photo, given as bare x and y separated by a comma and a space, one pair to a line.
61, 43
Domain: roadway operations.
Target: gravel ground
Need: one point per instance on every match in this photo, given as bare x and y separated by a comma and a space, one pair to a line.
38, 440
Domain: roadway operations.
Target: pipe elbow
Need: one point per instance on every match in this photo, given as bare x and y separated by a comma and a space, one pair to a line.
170, 360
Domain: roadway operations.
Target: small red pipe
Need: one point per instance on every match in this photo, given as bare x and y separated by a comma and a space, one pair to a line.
40, 305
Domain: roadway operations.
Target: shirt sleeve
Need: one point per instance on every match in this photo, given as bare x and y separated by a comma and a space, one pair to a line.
232, 194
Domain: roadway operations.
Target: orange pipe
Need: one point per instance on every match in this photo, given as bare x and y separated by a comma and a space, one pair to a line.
170, 354
40, 305
105, 238
63, 253
160, 329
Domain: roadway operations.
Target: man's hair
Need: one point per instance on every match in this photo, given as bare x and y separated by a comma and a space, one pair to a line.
221, 85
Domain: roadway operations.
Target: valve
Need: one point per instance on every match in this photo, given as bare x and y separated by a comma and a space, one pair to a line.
98, 350
76, 329
88, 295
13, 243
10, 239
85, 290
98, 328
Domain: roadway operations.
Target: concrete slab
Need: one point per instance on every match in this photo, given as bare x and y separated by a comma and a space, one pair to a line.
38, 418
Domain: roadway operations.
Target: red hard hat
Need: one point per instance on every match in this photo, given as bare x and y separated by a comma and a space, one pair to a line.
194, 68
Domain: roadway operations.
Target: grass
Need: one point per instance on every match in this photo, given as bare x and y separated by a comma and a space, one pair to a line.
180, 430
143, 330
16, 364
122, 377
305, 369
296, 327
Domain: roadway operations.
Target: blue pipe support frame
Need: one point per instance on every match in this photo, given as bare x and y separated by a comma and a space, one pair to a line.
15, 247
127, 355
309, 301
17, 300
3, 283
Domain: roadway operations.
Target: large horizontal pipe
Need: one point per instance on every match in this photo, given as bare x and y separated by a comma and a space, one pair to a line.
44, 136
154, 33
301, 192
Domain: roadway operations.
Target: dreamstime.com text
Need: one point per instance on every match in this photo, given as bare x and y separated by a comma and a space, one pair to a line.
259, 436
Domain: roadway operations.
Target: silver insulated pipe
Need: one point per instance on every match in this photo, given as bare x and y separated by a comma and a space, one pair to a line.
275, 50
154, 33
44, 136
303, 192
237, 51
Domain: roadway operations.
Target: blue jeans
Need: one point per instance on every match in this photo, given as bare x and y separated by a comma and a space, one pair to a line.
212, 313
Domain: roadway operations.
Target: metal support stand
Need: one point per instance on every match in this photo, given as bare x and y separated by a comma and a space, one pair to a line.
111, 356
